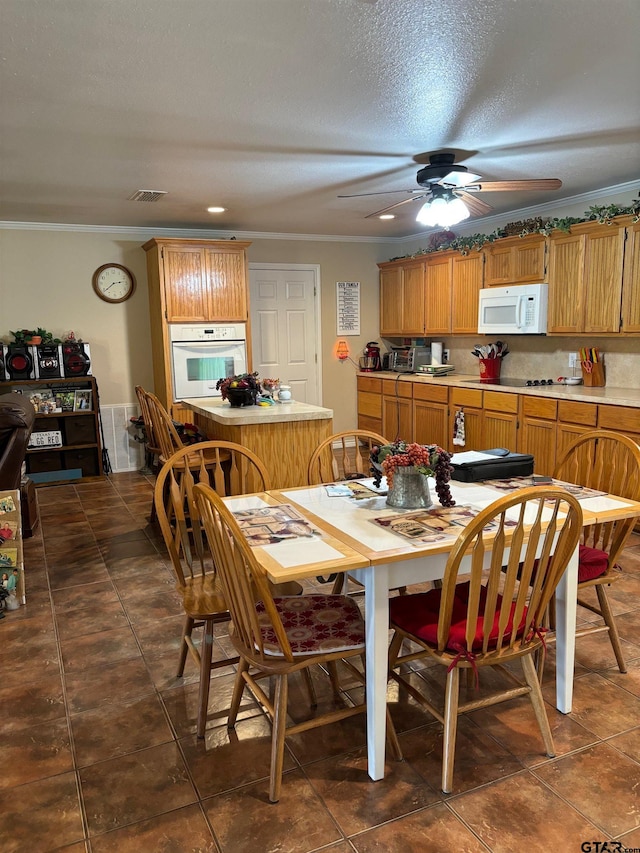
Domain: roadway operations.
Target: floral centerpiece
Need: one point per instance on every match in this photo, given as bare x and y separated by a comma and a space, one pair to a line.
429, 460
240, 390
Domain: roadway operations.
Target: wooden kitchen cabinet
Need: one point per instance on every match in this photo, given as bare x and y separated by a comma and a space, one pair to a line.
431, 414
585, 279
515, 260
631, 280
469, 400
199, 281
538, 430
439, 276
397, 410
437, 296
500, 420
192, 281
624, 419
574, 419
402, 298
466, 283
370, 404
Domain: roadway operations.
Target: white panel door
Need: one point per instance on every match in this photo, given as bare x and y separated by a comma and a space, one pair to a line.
285, 327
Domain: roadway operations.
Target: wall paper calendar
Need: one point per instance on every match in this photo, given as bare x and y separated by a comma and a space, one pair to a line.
348, 294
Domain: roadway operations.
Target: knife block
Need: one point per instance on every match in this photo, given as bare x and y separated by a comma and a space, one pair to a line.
595, 379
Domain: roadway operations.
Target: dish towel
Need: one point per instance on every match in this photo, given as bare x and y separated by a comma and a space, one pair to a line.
458, 429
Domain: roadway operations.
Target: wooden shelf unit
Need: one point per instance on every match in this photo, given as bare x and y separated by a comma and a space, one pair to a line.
79, 457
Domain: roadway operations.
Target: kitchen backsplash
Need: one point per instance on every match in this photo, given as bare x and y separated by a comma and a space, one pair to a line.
545, 357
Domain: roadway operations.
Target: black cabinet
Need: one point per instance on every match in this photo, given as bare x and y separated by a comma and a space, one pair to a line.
65, 443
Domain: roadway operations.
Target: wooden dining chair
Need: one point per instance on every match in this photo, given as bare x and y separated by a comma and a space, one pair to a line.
608, 462
231, 470
343, 456
152, 448
499, 578
276, 637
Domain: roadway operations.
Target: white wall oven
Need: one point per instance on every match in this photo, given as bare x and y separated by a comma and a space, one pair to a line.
201, 354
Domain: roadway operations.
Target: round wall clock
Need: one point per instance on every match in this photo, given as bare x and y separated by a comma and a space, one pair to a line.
113, 282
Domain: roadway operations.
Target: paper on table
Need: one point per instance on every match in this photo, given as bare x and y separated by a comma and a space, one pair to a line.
600, 504
245, 502
300, 552
467, 457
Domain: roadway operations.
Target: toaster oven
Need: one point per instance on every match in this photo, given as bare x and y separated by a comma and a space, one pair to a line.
408, 359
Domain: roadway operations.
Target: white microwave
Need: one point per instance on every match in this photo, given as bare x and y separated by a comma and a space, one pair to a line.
517, 310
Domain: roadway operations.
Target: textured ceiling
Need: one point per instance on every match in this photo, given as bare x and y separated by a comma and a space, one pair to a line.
273, 108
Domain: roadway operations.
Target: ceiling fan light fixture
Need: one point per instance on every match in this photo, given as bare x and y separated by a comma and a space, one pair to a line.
443, 210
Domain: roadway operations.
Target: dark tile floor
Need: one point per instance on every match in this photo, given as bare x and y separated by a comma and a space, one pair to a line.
99, 751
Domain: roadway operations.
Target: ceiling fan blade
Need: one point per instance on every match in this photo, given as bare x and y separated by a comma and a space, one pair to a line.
476, 206
397, 204
384, 192
506, 186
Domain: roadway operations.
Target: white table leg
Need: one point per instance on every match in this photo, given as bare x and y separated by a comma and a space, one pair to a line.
566, 607
376, 586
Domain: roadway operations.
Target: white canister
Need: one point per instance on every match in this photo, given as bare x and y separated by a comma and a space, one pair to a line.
284, 394
436, 352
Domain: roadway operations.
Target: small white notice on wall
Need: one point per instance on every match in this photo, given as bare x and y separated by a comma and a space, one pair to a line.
348, 293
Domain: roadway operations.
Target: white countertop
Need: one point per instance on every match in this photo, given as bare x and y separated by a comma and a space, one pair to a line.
606, 394
220, 411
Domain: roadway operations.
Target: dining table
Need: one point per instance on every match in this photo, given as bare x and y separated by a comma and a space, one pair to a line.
351, 533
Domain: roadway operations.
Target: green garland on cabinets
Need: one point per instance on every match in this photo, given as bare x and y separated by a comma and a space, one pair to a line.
604, 214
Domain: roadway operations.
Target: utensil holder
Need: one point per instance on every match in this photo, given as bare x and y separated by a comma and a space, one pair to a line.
594, 378
489, 369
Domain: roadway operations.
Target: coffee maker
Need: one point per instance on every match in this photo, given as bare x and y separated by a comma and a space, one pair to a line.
370, 360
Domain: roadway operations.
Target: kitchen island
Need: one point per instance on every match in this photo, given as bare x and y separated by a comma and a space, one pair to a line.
283, 435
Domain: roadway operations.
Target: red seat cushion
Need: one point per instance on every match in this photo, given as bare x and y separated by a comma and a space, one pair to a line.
418, 615
592, 563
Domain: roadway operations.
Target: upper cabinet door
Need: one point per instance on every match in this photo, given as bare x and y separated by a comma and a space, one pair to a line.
391, 301
466, 285
413, 298
566, 294
438, 295
604, 252
585, 279
402, 299
226, 283
515, 260
186, 293
205, 283
631, 281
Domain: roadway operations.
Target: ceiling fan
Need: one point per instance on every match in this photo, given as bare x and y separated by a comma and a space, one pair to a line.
449, 191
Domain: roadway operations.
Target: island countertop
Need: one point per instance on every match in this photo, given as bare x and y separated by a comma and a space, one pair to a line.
283, 435
221, 412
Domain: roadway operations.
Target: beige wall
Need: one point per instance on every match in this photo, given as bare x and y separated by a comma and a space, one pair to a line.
45, 280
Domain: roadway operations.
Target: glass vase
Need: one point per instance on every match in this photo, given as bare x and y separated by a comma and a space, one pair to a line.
410, 489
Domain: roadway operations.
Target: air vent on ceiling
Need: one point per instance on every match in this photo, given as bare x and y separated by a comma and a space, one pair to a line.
147, 195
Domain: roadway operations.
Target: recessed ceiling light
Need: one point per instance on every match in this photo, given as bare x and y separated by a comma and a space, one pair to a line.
387, 216
216, 209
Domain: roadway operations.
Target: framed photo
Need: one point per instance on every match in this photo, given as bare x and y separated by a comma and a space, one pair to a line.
43, 401
82, 401
65, 400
